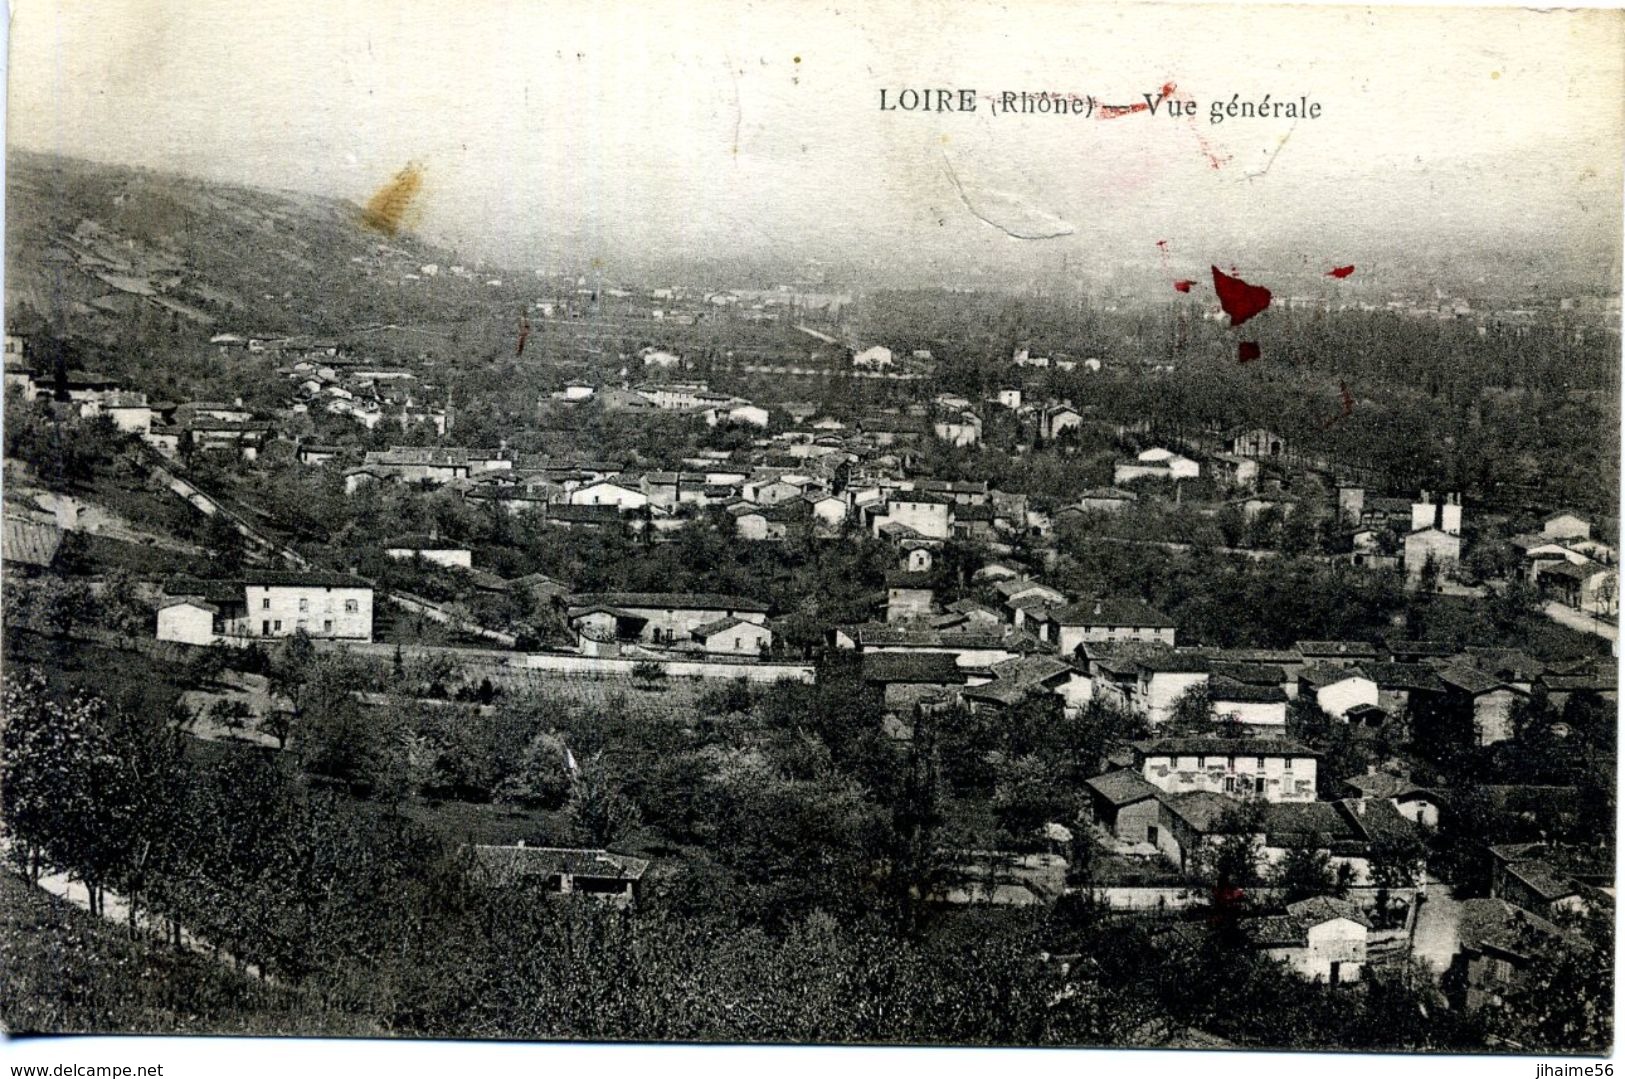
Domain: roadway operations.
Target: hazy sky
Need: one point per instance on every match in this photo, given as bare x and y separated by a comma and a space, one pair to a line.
548, 131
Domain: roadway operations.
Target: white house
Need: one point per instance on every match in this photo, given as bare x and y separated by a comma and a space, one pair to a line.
1158, 463
1321, 939
609, 493
1269, 769
876, 357
929, 514
734, 636
188, 621
1338, 689
430, 548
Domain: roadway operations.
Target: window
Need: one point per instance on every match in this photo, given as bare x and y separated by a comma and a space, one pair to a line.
1286, 765
738, 644
1260, 764
1258, 785
277, 625
304, 604
351, 606
327, 625
1230, 763
1201, 763
265, 604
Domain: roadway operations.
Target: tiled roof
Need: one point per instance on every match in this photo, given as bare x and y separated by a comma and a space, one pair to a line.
1324, 908
301, 579
1112, 612
1223, 689
1353, 649
1412, 676
674, 601
1214, 746
1122, 787
921, 668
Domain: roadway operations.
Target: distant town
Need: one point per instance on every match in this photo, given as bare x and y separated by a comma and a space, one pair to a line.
818, 619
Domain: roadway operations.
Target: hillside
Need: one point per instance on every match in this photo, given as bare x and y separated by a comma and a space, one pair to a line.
98, 249
63, 971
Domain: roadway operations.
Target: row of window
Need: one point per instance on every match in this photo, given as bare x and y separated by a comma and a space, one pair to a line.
1230, 763
351, 606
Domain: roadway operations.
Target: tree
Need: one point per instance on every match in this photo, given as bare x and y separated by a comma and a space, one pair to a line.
1304, 872
1396, 863
600, 814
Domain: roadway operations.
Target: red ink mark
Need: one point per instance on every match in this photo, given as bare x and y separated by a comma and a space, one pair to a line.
1348, 407
1340, 272
1112, 112
524, 332
1164, 245
1247, 351
1240, 300
1183, 285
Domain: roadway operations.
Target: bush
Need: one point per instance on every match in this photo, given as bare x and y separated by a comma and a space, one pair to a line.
648, 673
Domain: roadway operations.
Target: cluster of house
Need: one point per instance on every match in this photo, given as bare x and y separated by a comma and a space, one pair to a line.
325, 378
1565, 563
680, 398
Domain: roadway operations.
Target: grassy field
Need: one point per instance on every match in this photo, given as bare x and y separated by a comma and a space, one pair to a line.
620, 695
63, 971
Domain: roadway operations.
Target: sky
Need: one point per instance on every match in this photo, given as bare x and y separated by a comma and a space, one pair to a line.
552, 132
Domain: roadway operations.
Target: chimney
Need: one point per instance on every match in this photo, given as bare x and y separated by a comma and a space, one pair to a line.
520, 844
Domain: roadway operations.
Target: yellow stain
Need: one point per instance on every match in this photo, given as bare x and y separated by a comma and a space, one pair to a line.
387, 210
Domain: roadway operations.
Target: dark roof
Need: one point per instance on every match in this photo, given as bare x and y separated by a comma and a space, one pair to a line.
1353, 649
1324, 908
1412, 676
917, 668
1496, 925
1276, 931
920, 497
1214, 746
1122, 788
1471, 679
1223, 689
721, 625
1202, 810
302, 579
1255, 674
670, 601
1112, 612
910, 579
1322, 675
1418, 649
216, 591
1289, 824
982, 512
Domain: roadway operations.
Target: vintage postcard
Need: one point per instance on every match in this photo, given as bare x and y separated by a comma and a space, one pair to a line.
951, 524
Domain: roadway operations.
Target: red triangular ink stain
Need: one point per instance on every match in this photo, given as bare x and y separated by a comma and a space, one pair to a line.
1340, 272
1183, 286
1248, 350
1240, 300
1162, 244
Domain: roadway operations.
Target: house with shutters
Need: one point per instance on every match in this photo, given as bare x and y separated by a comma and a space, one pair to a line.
1099, 621
267, 604
1269, 769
